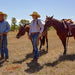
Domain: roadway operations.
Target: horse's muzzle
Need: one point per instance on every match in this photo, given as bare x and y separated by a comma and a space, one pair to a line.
17, 37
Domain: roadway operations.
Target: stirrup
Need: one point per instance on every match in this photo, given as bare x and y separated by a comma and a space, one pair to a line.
69, 33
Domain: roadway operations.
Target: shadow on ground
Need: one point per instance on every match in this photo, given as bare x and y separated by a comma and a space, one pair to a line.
1, 63
35, 67
62, 58
30, 55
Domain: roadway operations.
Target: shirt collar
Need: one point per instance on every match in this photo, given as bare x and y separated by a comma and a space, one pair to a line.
2, 21
35, 20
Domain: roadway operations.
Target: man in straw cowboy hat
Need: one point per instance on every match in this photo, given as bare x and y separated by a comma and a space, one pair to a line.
4, 29
36, 29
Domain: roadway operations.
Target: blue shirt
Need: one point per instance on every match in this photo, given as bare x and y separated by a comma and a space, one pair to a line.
4, 27
36, 28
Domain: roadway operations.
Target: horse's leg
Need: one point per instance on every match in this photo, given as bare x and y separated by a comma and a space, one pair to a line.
64, 44
46, 42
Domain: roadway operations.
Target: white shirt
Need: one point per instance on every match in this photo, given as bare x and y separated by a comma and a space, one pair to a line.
36, 28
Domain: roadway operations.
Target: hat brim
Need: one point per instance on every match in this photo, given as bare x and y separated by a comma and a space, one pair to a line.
3, 14
35, 15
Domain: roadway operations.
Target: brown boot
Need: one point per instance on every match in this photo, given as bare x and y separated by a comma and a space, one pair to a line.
1, 58
35, 60
7, 60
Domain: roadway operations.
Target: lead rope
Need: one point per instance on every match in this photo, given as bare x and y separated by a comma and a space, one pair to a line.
1, 39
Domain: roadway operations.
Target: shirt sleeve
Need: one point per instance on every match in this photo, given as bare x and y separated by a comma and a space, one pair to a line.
30, 30
7, 27
41, 26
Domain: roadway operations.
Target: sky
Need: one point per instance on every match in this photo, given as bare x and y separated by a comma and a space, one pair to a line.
21, 9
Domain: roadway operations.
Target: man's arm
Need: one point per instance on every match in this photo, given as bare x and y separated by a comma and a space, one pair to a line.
41, 26
7, 28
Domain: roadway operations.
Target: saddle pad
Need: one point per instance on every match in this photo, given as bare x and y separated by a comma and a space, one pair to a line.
73, 26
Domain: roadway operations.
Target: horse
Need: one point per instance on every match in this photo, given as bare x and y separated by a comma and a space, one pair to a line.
26, 28
62, 32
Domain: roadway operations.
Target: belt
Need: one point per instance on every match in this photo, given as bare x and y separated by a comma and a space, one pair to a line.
34, 33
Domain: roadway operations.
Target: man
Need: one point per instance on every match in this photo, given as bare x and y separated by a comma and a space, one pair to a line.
35, 33
4, 29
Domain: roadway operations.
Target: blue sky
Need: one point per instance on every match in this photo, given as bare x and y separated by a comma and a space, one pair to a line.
21, 9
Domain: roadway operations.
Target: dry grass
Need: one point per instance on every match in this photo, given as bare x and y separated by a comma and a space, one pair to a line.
51, 63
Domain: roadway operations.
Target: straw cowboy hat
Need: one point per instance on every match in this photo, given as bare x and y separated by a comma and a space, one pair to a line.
1, 13
35, 14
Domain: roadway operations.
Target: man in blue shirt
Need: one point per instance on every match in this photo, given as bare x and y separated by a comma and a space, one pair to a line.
4, 29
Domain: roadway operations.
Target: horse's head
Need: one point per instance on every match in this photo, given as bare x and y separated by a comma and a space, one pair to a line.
21, 31
48, 22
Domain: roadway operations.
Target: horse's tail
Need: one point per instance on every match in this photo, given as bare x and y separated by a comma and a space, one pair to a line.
43, 40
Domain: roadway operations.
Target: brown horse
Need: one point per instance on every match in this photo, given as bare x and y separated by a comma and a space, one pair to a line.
62, 32
25, 28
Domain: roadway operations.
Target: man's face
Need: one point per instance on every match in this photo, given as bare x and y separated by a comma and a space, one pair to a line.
34, 17
1, 17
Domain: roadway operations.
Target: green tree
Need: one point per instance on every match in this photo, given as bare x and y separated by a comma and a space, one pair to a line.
5, 17
12, 27
23, 22
14, 21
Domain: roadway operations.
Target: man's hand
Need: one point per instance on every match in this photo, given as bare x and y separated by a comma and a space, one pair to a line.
39, 35
5, 33
29, 37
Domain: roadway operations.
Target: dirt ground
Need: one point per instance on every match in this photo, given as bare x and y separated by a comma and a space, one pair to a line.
51, 63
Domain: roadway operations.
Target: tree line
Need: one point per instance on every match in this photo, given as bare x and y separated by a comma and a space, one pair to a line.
14, 26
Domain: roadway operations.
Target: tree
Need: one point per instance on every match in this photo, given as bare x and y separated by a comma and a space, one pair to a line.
14, 21
23, 22
5, 17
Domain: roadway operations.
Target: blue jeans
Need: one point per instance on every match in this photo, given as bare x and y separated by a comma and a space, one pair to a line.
34, 42
4, 49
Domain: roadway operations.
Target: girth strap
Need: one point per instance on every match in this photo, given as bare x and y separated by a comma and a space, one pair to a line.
64, 24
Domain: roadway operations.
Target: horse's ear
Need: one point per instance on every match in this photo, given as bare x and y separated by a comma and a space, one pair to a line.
25, 25
52, 16
20, 25
46, 16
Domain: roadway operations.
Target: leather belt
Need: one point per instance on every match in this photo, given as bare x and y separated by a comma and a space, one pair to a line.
34, 33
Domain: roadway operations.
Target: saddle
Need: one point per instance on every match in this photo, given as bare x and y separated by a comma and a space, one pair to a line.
66, 25
72, 26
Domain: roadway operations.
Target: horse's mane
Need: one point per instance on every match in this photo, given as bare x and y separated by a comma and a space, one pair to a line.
59, 21
59, 24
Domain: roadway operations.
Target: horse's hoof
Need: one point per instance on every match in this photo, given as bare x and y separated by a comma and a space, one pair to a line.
40, 49
64, 53
47, 51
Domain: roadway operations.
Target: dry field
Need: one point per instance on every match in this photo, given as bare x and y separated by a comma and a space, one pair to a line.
51, 63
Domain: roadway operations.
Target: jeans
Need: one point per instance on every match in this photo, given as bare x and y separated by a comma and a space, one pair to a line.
4, 49
34, 42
